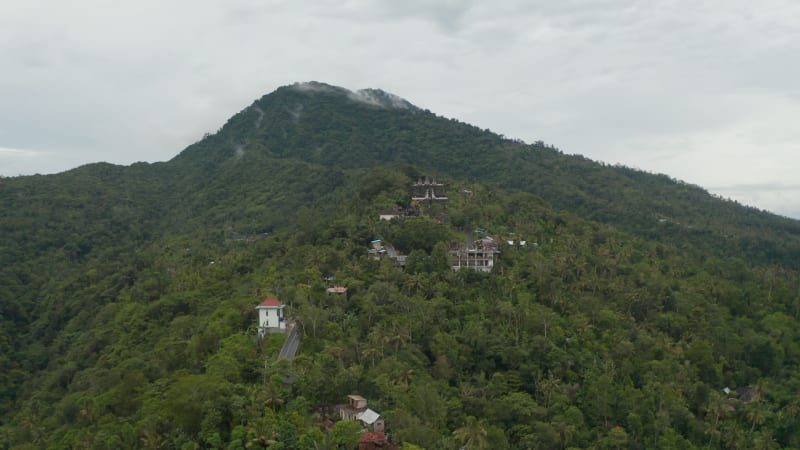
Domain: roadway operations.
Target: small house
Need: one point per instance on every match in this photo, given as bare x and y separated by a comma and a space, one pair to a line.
376, 249
391, 213
398, 212
371, 420
356, 404
356, 409
375, 440
270, 316
340, 290
379, 249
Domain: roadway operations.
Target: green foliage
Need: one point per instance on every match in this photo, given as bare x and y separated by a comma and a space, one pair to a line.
345, 434
419, 234
127, 296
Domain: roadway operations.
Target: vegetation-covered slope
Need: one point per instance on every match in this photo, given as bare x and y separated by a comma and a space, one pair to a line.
333, 127
127, 295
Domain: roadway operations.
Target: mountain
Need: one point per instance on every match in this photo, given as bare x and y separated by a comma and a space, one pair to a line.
333, 127
127, 294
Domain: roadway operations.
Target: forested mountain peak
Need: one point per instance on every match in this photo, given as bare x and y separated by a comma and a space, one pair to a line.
319, 124
371, 97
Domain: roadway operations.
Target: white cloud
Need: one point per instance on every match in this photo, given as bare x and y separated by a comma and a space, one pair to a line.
703, 91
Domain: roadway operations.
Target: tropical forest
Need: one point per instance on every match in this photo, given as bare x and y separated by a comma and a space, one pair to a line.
452, 287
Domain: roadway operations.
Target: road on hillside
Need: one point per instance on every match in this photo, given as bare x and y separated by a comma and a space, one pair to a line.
289, 348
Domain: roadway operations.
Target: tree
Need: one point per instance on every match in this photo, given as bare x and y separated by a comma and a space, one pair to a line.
472, 435
565, 432
345, 434
717, 408
617, 438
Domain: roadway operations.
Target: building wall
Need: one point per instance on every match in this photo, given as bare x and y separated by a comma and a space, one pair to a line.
481, 261
270, 318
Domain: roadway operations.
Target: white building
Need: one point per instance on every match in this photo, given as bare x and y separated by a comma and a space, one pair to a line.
389, 214
480, 256
270, 316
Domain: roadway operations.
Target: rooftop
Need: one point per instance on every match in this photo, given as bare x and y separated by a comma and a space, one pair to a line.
270, 302
373, 436
369, 416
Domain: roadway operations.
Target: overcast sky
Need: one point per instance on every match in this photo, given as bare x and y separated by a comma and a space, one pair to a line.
705, 91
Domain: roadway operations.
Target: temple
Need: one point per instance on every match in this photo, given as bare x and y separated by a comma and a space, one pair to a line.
428, 189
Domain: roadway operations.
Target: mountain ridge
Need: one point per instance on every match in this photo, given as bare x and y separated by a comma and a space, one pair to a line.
345, 134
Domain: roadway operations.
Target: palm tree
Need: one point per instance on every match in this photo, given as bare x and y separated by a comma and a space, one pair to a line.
399, 339
370, 351
734, 437
377, 340
152, 439
764, 441
406, 376
717, 408
565, 432
472, 435
792, 409
413, 282
756, 414
547, 387
272, 396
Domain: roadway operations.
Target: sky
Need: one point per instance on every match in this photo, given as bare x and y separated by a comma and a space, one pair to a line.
705, 91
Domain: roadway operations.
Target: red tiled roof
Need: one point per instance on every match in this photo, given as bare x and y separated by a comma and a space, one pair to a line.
373, 436
270, 301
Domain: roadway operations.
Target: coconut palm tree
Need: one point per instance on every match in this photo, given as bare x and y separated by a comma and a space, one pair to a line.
716, 409
473, 435
756, 414
565, 432
152, 439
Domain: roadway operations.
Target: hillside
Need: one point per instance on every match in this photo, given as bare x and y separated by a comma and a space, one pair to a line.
127, 294
325, 125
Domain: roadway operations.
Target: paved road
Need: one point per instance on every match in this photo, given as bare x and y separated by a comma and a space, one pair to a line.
291, 345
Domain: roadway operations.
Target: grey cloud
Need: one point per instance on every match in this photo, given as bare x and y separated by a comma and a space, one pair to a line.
669, 86
780, 198
761, 187
449, 15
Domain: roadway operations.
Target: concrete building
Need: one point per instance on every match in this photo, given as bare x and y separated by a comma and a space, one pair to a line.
356, 409
480, 256
270, 316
